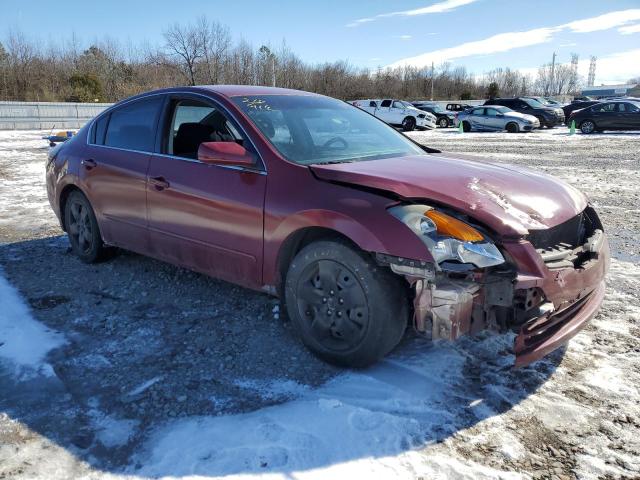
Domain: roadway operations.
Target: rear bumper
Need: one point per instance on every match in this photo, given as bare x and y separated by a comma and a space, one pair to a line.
542, 335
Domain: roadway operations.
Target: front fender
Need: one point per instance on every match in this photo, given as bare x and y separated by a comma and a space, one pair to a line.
370, 231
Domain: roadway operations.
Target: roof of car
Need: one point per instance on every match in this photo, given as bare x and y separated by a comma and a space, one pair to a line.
239, 90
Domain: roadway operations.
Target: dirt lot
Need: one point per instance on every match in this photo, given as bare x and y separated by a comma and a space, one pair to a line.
157, 371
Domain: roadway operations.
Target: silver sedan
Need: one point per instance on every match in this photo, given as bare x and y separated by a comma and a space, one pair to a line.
496, 118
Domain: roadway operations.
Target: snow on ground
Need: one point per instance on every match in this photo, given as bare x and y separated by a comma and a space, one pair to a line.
153, 373
24, 342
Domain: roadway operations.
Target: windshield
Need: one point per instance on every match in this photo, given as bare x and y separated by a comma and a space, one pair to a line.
533, 103
311, 130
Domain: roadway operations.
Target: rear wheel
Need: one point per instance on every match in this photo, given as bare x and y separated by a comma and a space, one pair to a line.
344, 307
408, 124
443, 123
512, 127
466, 127
82, 229
587, 126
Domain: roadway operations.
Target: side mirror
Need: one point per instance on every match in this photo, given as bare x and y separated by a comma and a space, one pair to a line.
225, 153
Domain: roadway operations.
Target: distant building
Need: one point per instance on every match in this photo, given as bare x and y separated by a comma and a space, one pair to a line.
608, 91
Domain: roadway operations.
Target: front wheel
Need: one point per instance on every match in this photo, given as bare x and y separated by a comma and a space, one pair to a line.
82, 228
512, 127
587, 127
408, 124
443, 123
346, 309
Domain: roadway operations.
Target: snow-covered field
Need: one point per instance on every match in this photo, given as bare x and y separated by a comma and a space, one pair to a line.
136, 369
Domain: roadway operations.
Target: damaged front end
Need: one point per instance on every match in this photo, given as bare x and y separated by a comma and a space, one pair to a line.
546, 286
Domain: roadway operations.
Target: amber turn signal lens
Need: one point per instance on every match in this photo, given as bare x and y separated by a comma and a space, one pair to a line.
452, 227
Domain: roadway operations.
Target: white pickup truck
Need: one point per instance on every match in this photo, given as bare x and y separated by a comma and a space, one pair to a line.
398, 113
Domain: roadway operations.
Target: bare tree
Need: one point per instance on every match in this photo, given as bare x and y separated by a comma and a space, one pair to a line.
186, 42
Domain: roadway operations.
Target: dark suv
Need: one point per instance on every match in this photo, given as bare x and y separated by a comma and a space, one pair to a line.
548, 116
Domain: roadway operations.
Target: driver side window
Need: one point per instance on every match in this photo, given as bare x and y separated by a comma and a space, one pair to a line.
192, 122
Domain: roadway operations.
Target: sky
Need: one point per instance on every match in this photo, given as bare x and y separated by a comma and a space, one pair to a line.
478, 34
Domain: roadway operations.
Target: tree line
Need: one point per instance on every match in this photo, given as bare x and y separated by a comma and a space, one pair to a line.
204, 52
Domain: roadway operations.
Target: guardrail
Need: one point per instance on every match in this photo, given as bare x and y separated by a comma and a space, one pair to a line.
47, 115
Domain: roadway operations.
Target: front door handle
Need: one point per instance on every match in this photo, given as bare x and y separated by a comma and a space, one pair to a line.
89, 163
159, 183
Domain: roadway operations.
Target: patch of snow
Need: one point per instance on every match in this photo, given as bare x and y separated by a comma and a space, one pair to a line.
144, 386
24, 342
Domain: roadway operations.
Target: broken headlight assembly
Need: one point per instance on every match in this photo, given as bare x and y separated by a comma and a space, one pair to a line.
447, 238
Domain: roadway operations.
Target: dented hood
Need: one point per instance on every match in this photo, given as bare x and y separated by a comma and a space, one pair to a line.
510, 200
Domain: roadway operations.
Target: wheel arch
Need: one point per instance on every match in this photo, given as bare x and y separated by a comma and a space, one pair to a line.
299, 239
62, 201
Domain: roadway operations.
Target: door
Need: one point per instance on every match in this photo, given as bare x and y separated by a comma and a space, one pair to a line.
384, 111
629, 116
493, 120
399, 112
202, 216
114, 174
476, 118
604, 115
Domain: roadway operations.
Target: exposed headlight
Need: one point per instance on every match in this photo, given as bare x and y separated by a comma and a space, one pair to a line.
448, 238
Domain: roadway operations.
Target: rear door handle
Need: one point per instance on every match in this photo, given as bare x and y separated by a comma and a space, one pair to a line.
89, 163
159, 183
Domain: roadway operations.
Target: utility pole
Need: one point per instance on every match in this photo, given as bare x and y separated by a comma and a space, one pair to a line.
432, 77
553, 73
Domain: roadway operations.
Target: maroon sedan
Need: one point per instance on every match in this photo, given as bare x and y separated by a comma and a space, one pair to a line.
357, 228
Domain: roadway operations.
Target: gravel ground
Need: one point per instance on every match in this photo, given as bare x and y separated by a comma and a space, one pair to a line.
148, 344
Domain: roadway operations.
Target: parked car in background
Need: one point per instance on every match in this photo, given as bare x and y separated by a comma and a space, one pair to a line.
573, 106
546, 101
457, 107
547, 116
495, 118
614, 115
357, 228
444, 118
398, 113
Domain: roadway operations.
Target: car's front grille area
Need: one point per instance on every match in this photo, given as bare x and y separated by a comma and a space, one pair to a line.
562, 246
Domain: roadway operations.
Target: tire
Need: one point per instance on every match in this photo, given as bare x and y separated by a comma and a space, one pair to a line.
346, 309
542, 122
443, 123
408, 124
587, 126
466, 126
82, 229
512, 127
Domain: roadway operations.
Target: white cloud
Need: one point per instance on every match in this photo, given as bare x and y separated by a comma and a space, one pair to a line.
404, 37
630, 29
504, 42
501, 42
445, 6
604, 22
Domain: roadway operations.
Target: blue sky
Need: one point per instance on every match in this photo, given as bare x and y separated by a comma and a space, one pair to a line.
372, 33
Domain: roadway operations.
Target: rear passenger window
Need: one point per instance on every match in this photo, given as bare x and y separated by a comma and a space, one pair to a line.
99, 130
478, 111
133, 125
